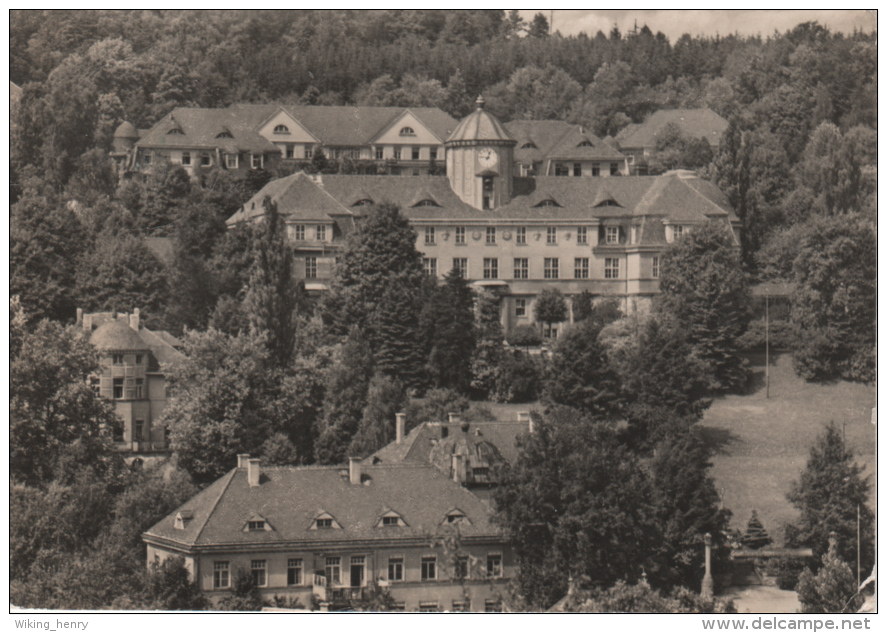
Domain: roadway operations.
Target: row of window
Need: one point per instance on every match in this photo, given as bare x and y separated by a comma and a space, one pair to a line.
563, 169
297, 232
611, 235
521, 270
354, 153
117, 359
135, 390
332, 572
232, 161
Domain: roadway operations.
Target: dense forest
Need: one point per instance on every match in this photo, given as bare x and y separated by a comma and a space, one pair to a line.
271, 373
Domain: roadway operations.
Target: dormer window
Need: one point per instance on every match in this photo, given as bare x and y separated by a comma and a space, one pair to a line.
456, 517
407, 131
426, 203
224, 134
325, 521
391, 519
609, 202
176, 132
529, 145
256, 526
585, 143
365, 202
281, 129
548, 203
257, 523
182, 519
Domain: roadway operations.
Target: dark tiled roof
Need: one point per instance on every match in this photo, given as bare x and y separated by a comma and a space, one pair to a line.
673, 196
697, 123
162, 345
557, 140
201, 128
419, 443
290, 498
577, 144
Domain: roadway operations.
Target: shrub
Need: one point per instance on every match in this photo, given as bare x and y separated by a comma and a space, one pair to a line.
524, 336
518, 379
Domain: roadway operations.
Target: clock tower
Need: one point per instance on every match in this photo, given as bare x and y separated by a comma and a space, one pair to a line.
480, 160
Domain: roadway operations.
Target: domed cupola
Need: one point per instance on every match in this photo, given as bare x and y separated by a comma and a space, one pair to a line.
480, 160
125, 137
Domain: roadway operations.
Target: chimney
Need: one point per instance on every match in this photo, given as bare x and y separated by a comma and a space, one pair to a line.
400, 425
134, 320
458, 468
242, 460
453, 418
253, 471
80, 316
87, 322
354, 470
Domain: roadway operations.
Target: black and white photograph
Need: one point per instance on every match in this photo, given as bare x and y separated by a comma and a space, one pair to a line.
486, 311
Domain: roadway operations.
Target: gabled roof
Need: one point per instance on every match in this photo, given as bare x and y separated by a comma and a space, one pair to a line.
558, 140
200, 129
290, 498
298, 197
697, 123
419, 443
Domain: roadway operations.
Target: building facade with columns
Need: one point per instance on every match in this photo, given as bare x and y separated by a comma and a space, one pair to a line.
517, 235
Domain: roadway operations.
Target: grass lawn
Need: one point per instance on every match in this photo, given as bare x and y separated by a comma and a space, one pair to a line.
762, 444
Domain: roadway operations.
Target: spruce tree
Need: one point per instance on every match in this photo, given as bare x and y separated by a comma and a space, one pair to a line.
489, 353
449, 364
832, 589
755, 536
398, 345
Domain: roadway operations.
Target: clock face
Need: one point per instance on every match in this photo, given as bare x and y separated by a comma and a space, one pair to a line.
487, 157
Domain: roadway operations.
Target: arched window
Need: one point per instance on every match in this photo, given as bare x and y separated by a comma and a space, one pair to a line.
426, 203
609, 202
224, 134
407, 131
363, 203
585, 143
529, 145
281, 129
175, 132
548, 203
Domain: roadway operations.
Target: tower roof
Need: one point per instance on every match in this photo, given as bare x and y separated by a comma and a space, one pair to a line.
126, 130
482, 126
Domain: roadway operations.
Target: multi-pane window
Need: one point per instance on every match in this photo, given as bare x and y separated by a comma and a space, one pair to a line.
429, 265
461, 264
577, 169
257, 570
290, 150
186, 158
258, 161
429, 567
580, 268
521, 268
299, 232
492, 606
582, 235
294, 571
311, 268
257, 525
380, 153
398, 606
140, 388
427, 607
118, 388
614, 169
611, 268
656, 268
221, 575
461, 568
433, 153
395, 568
117, 359
460, 235
231, 161
550, 270
323, 524
461, 605
494, 565
491, 268
309, 152
205, 159
595, 169
138, 359
415, 153
429, 235
561, 169
138, 432
491, 235
677, 231
333, 570
612, 235
320, 233
520, 235
551, 235
520, 307
396, 153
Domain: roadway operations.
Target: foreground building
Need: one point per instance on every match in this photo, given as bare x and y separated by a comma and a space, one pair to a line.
326, 535
517, 235
132, 360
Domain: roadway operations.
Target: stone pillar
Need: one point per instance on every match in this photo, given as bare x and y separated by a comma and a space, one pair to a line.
708, 584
